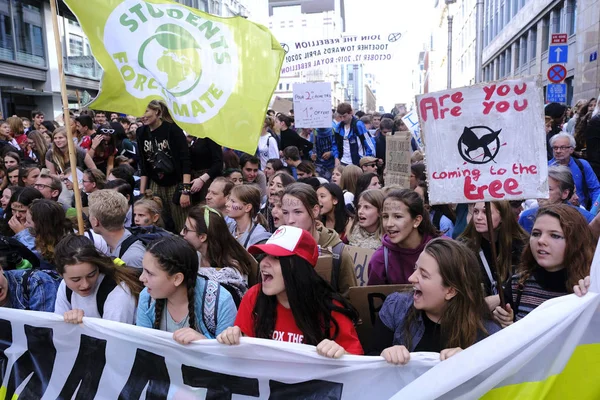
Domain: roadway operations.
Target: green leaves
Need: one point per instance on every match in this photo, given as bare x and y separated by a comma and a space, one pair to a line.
174, 37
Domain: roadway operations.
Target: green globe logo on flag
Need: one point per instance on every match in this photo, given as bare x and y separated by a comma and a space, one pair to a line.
179, 58
216, 75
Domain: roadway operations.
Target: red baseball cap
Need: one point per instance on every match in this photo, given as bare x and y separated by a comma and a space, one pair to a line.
289, 241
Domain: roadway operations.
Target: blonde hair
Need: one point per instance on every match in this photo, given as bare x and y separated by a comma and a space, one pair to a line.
109, 208
58, 157
162, 111
41, 148
153, 205
350, 176
16, 125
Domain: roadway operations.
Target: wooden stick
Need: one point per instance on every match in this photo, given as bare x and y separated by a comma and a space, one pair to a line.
494, 265
67, 118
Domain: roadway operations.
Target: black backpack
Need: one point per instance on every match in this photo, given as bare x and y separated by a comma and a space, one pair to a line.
144, 234
106, 286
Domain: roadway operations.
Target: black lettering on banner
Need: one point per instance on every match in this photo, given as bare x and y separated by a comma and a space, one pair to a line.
373, 310
86, 370
5, 343
315, 389
148, 368
220, 386
37, 360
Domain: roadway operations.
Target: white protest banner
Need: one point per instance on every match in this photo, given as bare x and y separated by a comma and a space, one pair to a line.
411, 120
312, 105
397, 159
347, 49
101, 359
485, 142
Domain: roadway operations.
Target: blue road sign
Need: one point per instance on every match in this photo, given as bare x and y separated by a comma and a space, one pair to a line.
593, 56
558, 54
556, 93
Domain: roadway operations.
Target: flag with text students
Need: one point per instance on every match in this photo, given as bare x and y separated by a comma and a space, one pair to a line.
217, 75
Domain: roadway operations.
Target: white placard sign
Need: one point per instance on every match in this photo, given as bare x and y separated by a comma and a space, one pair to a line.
411, 120
312, 105
485, 142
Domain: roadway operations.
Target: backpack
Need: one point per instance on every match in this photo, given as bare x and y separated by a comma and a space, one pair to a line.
210, 305
144, 234
271, 135
336, 255
586, 190
106, 286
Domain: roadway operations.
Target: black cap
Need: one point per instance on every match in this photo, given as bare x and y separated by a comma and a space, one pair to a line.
555, 110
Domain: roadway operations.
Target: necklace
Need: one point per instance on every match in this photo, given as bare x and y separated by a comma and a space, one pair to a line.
237, 233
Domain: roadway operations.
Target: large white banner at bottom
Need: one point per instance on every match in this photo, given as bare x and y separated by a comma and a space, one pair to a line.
42, 357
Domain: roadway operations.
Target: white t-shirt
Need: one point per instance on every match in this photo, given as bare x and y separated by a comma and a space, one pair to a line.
266, 153
120, 305
347, 156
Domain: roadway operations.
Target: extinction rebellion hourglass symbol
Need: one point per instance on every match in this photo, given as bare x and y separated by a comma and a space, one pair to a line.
479, 144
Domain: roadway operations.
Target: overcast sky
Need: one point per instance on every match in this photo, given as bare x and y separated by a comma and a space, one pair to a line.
413, 18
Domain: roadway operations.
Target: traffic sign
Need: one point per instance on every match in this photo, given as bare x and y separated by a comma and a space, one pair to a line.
557, 73
558, 54
559, 38
556, 93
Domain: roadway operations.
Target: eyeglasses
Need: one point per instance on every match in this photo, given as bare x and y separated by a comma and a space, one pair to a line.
562, 148
369, 165
40, 186
107, 131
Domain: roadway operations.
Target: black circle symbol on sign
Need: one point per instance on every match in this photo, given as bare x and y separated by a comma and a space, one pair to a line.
479, 144
394, 37
286, 48
557, 73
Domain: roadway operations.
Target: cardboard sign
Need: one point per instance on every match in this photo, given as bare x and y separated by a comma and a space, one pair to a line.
360, 257
282, 106
312, 105
368, 301
485, 142
397, 159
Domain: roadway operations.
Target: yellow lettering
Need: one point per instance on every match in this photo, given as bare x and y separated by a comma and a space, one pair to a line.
197, 108
127, 72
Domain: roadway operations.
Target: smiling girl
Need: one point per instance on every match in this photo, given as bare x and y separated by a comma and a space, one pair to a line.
93, 286
408, 231
174, 297
366, 229
558, 256
293, 303
446, 313
243, 207
57, 157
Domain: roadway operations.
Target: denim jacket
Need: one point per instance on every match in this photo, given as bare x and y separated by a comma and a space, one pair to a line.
28, 240
395, 310
39, 294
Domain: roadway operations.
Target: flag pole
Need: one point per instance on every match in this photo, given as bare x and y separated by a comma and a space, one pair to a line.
67, 118
494, 263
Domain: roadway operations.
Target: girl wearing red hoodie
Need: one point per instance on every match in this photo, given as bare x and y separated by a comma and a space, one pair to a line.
408, 229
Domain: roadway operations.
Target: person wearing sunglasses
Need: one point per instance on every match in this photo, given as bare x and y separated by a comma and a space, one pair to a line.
103, 148
222, 258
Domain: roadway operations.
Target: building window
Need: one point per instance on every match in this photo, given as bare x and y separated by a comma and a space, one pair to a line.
6, 38
533, 43
545, 32
27, 27
508, 60
524, 53
75, 45
572, 10
287, 87
515, 7
517, 54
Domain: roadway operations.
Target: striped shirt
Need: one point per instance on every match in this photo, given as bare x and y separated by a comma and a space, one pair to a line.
539, 287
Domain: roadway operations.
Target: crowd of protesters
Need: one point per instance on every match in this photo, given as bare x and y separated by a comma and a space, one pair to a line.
171, 217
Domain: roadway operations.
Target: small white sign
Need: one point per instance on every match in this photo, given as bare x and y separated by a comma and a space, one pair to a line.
485, 142
411, 120
312, 105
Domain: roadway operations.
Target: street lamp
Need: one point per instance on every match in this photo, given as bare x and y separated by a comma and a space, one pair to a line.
450, 18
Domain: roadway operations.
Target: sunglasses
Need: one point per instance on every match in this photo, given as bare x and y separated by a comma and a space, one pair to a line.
107, 131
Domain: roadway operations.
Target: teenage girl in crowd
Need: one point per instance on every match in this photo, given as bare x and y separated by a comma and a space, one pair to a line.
93, 285
11, 159
417, 174
350, 176
445, 314
366, 229
28, 175
332, 209
38, 147
57, 157
557, 257
147, 211
336, 175
408, 229
441, 215
368, 180
300, 208
234, 175
45, 226
12, 174
510, 240
222, 258
243, 206
174, 298
293, 303
277, 184
20, 202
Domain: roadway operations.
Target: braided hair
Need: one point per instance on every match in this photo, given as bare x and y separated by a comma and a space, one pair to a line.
175, 255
